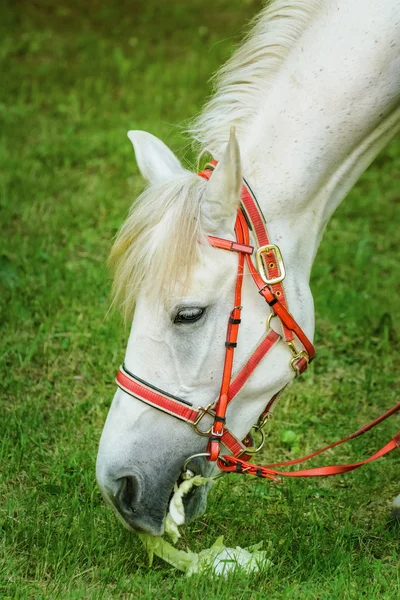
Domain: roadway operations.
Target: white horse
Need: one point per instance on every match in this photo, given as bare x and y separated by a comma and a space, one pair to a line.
314, 95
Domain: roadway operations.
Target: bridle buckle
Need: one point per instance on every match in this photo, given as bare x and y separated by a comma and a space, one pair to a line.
203, 411
261, 266
297, 354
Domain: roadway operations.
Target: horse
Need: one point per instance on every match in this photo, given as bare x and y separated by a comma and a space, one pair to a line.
300, 111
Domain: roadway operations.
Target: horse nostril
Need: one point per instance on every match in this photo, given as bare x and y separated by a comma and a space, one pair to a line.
128, 494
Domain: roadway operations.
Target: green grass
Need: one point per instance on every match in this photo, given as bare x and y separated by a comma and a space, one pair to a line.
75, 78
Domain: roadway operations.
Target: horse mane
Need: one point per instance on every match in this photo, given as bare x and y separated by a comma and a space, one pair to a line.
158, 243
240, 85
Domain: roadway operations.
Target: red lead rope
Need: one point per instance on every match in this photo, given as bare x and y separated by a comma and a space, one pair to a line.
237, 465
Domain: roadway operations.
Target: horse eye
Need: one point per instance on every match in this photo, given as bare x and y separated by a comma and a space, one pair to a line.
189, 314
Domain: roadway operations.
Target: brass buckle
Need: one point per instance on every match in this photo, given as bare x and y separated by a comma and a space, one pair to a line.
261, 267
297, 354
203, 411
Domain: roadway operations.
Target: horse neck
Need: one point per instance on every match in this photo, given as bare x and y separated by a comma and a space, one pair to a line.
333, 106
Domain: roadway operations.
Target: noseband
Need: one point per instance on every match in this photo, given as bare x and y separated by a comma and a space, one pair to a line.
268, 273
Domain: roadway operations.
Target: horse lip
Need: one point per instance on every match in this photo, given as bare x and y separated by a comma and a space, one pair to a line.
143, 525
137, 523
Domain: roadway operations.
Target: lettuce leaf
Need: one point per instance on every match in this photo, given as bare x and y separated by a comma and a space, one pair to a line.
218, 559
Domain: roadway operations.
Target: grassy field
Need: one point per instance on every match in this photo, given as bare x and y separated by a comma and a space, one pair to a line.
75, 78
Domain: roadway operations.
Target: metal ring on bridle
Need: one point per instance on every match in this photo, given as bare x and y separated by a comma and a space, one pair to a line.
271, 316
187, 461
252, 450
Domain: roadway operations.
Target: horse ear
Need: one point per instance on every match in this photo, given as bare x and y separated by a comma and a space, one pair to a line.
223, 190
156, 162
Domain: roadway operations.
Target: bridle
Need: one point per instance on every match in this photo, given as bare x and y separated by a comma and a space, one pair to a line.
268, 274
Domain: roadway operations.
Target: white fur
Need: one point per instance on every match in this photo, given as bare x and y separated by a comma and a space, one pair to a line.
241, 84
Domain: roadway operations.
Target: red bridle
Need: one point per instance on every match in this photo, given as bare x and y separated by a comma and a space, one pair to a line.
268, 275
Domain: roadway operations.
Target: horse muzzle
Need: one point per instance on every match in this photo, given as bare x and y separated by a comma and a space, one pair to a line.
142, 507
139, 463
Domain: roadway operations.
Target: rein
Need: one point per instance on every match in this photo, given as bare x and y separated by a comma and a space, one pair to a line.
268, 274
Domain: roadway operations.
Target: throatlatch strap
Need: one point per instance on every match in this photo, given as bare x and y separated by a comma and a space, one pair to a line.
278, 308
256, 217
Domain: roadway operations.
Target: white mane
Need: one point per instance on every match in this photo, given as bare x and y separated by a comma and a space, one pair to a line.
158, 242
157, 245
241, 83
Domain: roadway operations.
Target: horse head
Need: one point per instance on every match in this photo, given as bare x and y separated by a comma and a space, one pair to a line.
180, 291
